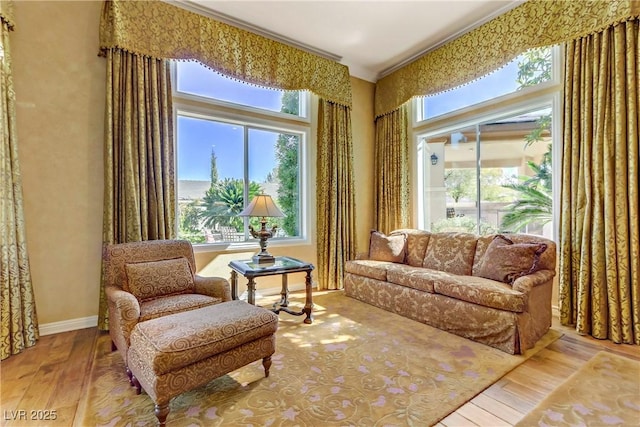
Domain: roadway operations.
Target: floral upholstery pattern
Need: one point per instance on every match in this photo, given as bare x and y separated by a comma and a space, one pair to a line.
490, 326
173, 354
505, 260
444, 289
158, 278
485, 292
391, 248
369, 268
451, 252
417, 241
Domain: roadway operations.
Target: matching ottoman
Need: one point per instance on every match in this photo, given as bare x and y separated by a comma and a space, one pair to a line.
173, 354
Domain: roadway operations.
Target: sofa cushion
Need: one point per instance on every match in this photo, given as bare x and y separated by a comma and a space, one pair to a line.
158, 278
419, 278
417, 241
481, 291
392, 248
505, 260
451, 252
368, 268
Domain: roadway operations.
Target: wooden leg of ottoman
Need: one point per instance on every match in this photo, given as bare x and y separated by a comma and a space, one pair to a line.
162, 411
266, 362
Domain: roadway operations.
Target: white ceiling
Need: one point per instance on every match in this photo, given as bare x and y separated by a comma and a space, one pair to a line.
370, 37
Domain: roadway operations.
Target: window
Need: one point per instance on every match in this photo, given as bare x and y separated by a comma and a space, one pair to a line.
492, 171
193, 78
529, 69
228, 154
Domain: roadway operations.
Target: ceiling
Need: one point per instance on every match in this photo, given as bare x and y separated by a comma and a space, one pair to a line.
371, 37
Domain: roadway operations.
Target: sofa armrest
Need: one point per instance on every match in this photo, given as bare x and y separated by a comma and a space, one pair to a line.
216, 287
524, 284
124, 311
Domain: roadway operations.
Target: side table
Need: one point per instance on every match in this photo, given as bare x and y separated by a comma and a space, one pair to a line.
283, 265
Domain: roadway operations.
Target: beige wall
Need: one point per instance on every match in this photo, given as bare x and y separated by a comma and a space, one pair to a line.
59, 82
362, 118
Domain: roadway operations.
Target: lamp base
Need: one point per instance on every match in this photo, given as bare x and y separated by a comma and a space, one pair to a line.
263, 258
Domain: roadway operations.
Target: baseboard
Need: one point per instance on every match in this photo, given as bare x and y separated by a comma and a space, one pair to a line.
92, 321
68, 325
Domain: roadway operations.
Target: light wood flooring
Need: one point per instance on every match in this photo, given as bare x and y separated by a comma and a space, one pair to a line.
53, 375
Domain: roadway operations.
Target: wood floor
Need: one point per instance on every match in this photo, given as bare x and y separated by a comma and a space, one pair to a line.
50, 378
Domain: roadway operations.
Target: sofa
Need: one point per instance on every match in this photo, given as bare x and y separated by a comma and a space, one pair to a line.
494, 289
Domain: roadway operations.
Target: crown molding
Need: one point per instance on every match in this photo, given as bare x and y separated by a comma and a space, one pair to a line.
198, 8
452, 37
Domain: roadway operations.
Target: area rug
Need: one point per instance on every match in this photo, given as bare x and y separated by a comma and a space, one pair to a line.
605, 391
356, 365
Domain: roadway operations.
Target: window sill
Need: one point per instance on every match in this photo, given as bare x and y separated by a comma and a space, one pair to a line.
248, 245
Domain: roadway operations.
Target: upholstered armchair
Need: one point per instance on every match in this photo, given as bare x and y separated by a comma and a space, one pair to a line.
150, 279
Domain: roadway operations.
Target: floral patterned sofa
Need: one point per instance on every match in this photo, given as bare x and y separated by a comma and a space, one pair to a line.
494, 289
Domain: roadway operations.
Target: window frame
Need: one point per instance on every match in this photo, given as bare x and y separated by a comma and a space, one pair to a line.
530, 98
205, 108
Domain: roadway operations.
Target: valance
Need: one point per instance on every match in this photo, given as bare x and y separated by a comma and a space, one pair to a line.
6, 13
161, 30
535, 23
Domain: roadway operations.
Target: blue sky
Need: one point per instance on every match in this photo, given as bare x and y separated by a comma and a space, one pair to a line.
501, 82
197, 137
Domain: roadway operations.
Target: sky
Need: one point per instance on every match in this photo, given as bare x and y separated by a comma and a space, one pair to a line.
197, 137
501, 82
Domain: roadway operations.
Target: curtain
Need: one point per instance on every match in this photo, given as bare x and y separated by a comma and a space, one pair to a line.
168, 31
599, 271
19, 323
534, 23
392, 196
139, 197
335, 196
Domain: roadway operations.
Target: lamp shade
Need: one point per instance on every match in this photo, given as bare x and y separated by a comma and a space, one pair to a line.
262, 205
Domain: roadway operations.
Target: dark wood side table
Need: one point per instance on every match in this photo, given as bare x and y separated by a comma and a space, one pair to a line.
283, 265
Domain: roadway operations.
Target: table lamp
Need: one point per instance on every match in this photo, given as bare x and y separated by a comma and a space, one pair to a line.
262, 206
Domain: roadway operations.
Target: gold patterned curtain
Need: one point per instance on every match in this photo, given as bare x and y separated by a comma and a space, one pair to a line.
335, 196
392, 172
139, 197
535, 23
600, 214
172, 32
19, 323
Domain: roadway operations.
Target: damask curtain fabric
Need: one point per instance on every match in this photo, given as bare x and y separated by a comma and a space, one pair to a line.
535, 23
335, 194
139, 198
599, 269
19, 323
392, 172
176, 33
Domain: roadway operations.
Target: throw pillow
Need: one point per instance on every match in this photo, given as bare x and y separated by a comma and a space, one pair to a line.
391, 248
505, 261
159, 278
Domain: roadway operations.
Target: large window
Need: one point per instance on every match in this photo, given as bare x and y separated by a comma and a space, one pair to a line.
227, 153
529, 69
492, 171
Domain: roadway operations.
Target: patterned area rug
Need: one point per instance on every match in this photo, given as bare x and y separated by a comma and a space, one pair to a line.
355, 365
605, 391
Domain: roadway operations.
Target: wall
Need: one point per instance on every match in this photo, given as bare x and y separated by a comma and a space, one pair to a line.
60, 82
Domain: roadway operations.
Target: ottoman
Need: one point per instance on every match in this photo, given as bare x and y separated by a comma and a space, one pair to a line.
173, 354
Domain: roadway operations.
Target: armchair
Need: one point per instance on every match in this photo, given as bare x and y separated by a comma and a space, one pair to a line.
150, 279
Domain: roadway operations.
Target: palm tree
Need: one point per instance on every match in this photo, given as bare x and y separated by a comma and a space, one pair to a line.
534, 204
224, 201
